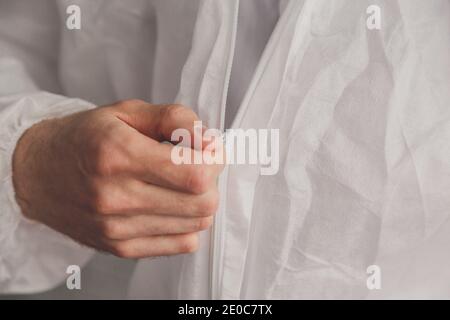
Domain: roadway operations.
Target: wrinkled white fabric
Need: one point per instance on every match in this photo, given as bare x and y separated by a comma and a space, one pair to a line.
364, 123
251, 38
365, 168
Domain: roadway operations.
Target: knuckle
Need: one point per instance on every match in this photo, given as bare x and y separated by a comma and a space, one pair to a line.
203, 223
113, 230
110, 156
209, 204
189, 243
104, 154
122, 250
130, 103
102, 203
174, 111
197, 180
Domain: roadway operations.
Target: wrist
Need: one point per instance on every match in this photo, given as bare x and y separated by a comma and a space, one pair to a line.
29, 155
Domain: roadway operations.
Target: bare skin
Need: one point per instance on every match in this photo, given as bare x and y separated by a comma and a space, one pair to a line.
103, 178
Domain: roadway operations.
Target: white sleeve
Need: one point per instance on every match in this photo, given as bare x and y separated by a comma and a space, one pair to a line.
33, 257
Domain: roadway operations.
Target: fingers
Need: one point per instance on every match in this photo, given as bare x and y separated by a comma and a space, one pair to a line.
154, 246
142, 202
159, 163
151, 199
132, 197
154, 163
158, 122
145, 234
138, 226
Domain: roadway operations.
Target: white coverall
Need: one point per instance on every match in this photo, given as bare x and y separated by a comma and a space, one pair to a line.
364, 120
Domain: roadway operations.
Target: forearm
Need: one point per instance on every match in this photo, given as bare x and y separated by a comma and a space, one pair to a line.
25, 245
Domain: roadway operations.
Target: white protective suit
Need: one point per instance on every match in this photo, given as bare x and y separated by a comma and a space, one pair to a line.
364, 119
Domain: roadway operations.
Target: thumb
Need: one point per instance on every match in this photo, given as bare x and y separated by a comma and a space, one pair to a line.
164, 122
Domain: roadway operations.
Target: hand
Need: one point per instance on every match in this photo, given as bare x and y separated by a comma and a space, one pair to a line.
103, 178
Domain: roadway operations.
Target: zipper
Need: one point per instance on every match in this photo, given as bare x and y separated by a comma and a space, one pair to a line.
216, 245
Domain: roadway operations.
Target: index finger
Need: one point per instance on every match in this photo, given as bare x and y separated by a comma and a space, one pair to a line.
155, 164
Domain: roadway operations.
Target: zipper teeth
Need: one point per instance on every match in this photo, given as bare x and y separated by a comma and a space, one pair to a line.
216, 244
216, 240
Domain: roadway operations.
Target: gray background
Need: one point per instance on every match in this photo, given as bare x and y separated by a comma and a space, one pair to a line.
104, 277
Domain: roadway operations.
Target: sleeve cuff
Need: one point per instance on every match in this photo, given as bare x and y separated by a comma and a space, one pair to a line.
32, 256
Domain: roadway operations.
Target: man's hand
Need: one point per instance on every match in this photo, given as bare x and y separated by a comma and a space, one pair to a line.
103, 178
